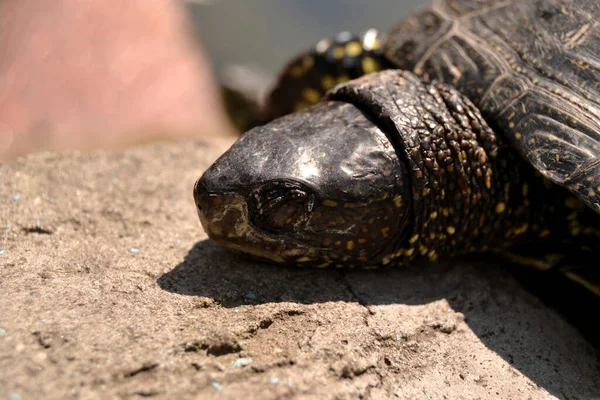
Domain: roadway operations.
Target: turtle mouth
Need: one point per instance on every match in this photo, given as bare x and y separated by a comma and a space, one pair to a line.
233, 222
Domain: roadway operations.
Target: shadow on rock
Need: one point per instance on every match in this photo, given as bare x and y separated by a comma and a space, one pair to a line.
509, 320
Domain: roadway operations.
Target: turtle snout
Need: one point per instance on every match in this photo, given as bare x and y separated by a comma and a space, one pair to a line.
221, 215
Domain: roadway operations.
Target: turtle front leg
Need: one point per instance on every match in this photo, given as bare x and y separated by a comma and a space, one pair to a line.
307, 77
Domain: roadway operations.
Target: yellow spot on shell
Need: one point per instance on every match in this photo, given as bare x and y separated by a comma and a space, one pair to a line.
350, 245
353, 49
413, 239
369, 64
451, 230
330, 203
303, 259
311, 95
500, 208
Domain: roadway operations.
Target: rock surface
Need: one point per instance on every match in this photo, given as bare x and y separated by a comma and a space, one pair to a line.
109, 289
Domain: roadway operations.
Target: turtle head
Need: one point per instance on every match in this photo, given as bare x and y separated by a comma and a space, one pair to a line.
322, 186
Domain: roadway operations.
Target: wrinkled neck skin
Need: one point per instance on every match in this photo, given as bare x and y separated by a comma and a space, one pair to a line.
471, 192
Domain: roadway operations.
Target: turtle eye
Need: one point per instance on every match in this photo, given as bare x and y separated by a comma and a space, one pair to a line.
280, 207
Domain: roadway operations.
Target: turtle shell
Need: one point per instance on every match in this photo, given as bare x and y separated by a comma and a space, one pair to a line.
530, 66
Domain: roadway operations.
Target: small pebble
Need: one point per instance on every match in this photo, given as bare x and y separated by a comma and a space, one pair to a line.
242, 362
274, 381
14, 396
2, 331
398, 337
216, 385
2, 252
134, 250
17, 196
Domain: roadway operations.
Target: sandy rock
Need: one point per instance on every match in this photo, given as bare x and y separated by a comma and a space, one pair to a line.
109, 289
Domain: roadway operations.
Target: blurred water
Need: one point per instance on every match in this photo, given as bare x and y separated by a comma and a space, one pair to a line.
267, 33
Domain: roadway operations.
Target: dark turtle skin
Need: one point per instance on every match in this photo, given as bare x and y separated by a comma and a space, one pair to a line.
489, 144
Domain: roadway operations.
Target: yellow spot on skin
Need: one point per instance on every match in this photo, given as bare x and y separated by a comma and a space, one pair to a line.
300, 106
324, 265
343, 78
518, 136
575, 231
591, 192
330, 203
433, 215
327, 82
311, 95
571, 202
451, 230
553, 258
369, 64
545, 233
362, 240
387, 259
350, 245
432, 236
488, 182
500, 208
370, 40
409, 252
573, 276
398, 201
296, 71
525, 189
307, 62
353, 49
432, 255
303, 259
445, 211
385, 231
338, 243
511, 125
371, 220
413, 239
338, 53
326, 242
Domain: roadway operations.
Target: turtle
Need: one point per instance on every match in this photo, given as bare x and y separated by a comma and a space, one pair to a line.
470, 127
